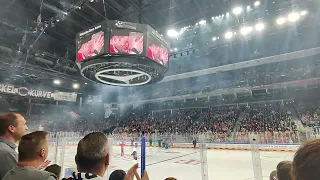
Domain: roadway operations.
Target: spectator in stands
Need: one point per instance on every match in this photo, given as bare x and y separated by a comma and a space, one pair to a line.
55, 169
92, 159
273, 175
33, 151
306, 161
12, 128
284, 170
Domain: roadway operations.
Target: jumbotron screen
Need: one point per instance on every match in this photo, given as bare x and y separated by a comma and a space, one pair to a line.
123, 41
90, 45
109, 40
157, 51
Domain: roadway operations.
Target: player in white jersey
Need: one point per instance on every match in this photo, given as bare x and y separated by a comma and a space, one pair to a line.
134, 152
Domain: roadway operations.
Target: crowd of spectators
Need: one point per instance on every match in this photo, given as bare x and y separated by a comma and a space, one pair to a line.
309, 113
182, 122
266, 118
250, 77
225, 124
274, 124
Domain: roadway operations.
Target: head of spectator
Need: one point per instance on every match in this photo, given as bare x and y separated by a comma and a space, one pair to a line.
93, 154
55, 169
284, 170
117, 175
12, 126
306, 161
273, 175
33, 151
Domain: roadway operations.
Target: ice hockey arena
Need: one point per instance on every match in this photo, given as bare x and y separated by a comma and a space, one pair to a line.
186, 89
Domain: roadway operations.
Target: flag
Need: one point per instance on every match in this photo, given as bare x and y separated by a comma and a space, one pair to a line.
74, 115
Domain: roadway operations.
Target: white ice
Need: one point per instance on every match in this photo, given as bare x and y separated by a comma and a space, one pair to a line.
184, 164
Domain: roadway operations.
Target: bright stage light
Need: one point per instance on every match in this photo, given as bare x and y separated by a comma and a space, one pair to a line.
57, 81
202, 22
227, 14
281, 20
248, 8
237, 10
259, 26
292, 17
303, 13
75, 85
228, 35
257, 3
214, 38
246, 30
172, 33
175, 49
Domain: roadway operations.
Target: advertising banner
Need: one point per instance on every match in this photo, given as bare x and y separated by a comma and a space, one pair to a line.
64, 96
27, 92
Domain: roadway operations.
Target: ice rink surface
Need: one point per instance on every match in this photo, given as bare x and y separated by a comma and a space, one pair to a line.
184, 164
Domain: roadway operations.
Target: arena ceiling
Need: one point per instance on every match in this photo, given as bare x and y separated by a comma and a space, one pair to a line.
37, 37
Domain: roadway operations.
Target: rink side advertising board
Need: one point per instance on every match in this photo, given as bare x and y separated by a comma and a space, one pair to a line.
27, 92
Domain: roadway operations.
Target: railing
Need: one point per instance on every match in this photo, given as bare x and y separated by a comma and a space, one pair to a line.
287, 137
63, 148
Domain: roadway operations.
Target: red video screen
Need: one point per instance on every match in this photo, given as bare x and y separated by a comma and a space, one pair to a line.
157, 51
90, 45
126, 42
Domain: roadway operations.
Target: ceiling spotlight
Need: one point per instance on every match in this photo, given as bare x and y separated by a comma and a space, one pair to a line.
75, 85
91, 0
228, 35
257, 3
214, 38
237, 10
227, 14
248, 8
202, 22
281, 20
246, 30
292, 17
303, 13
175, 49
57, 81
259, 26
172, 33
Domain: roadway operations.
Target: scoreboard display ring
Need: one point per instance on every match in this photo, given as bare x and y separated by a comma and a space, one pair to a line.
122, 70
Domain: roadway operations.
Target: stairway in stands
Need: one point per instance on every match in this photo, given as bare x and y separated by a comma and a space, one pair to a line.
303, 131
242, 114
296, 120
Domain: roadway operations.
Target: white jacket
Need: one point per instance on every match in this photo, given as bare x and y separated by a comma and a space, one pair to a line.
83, 176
